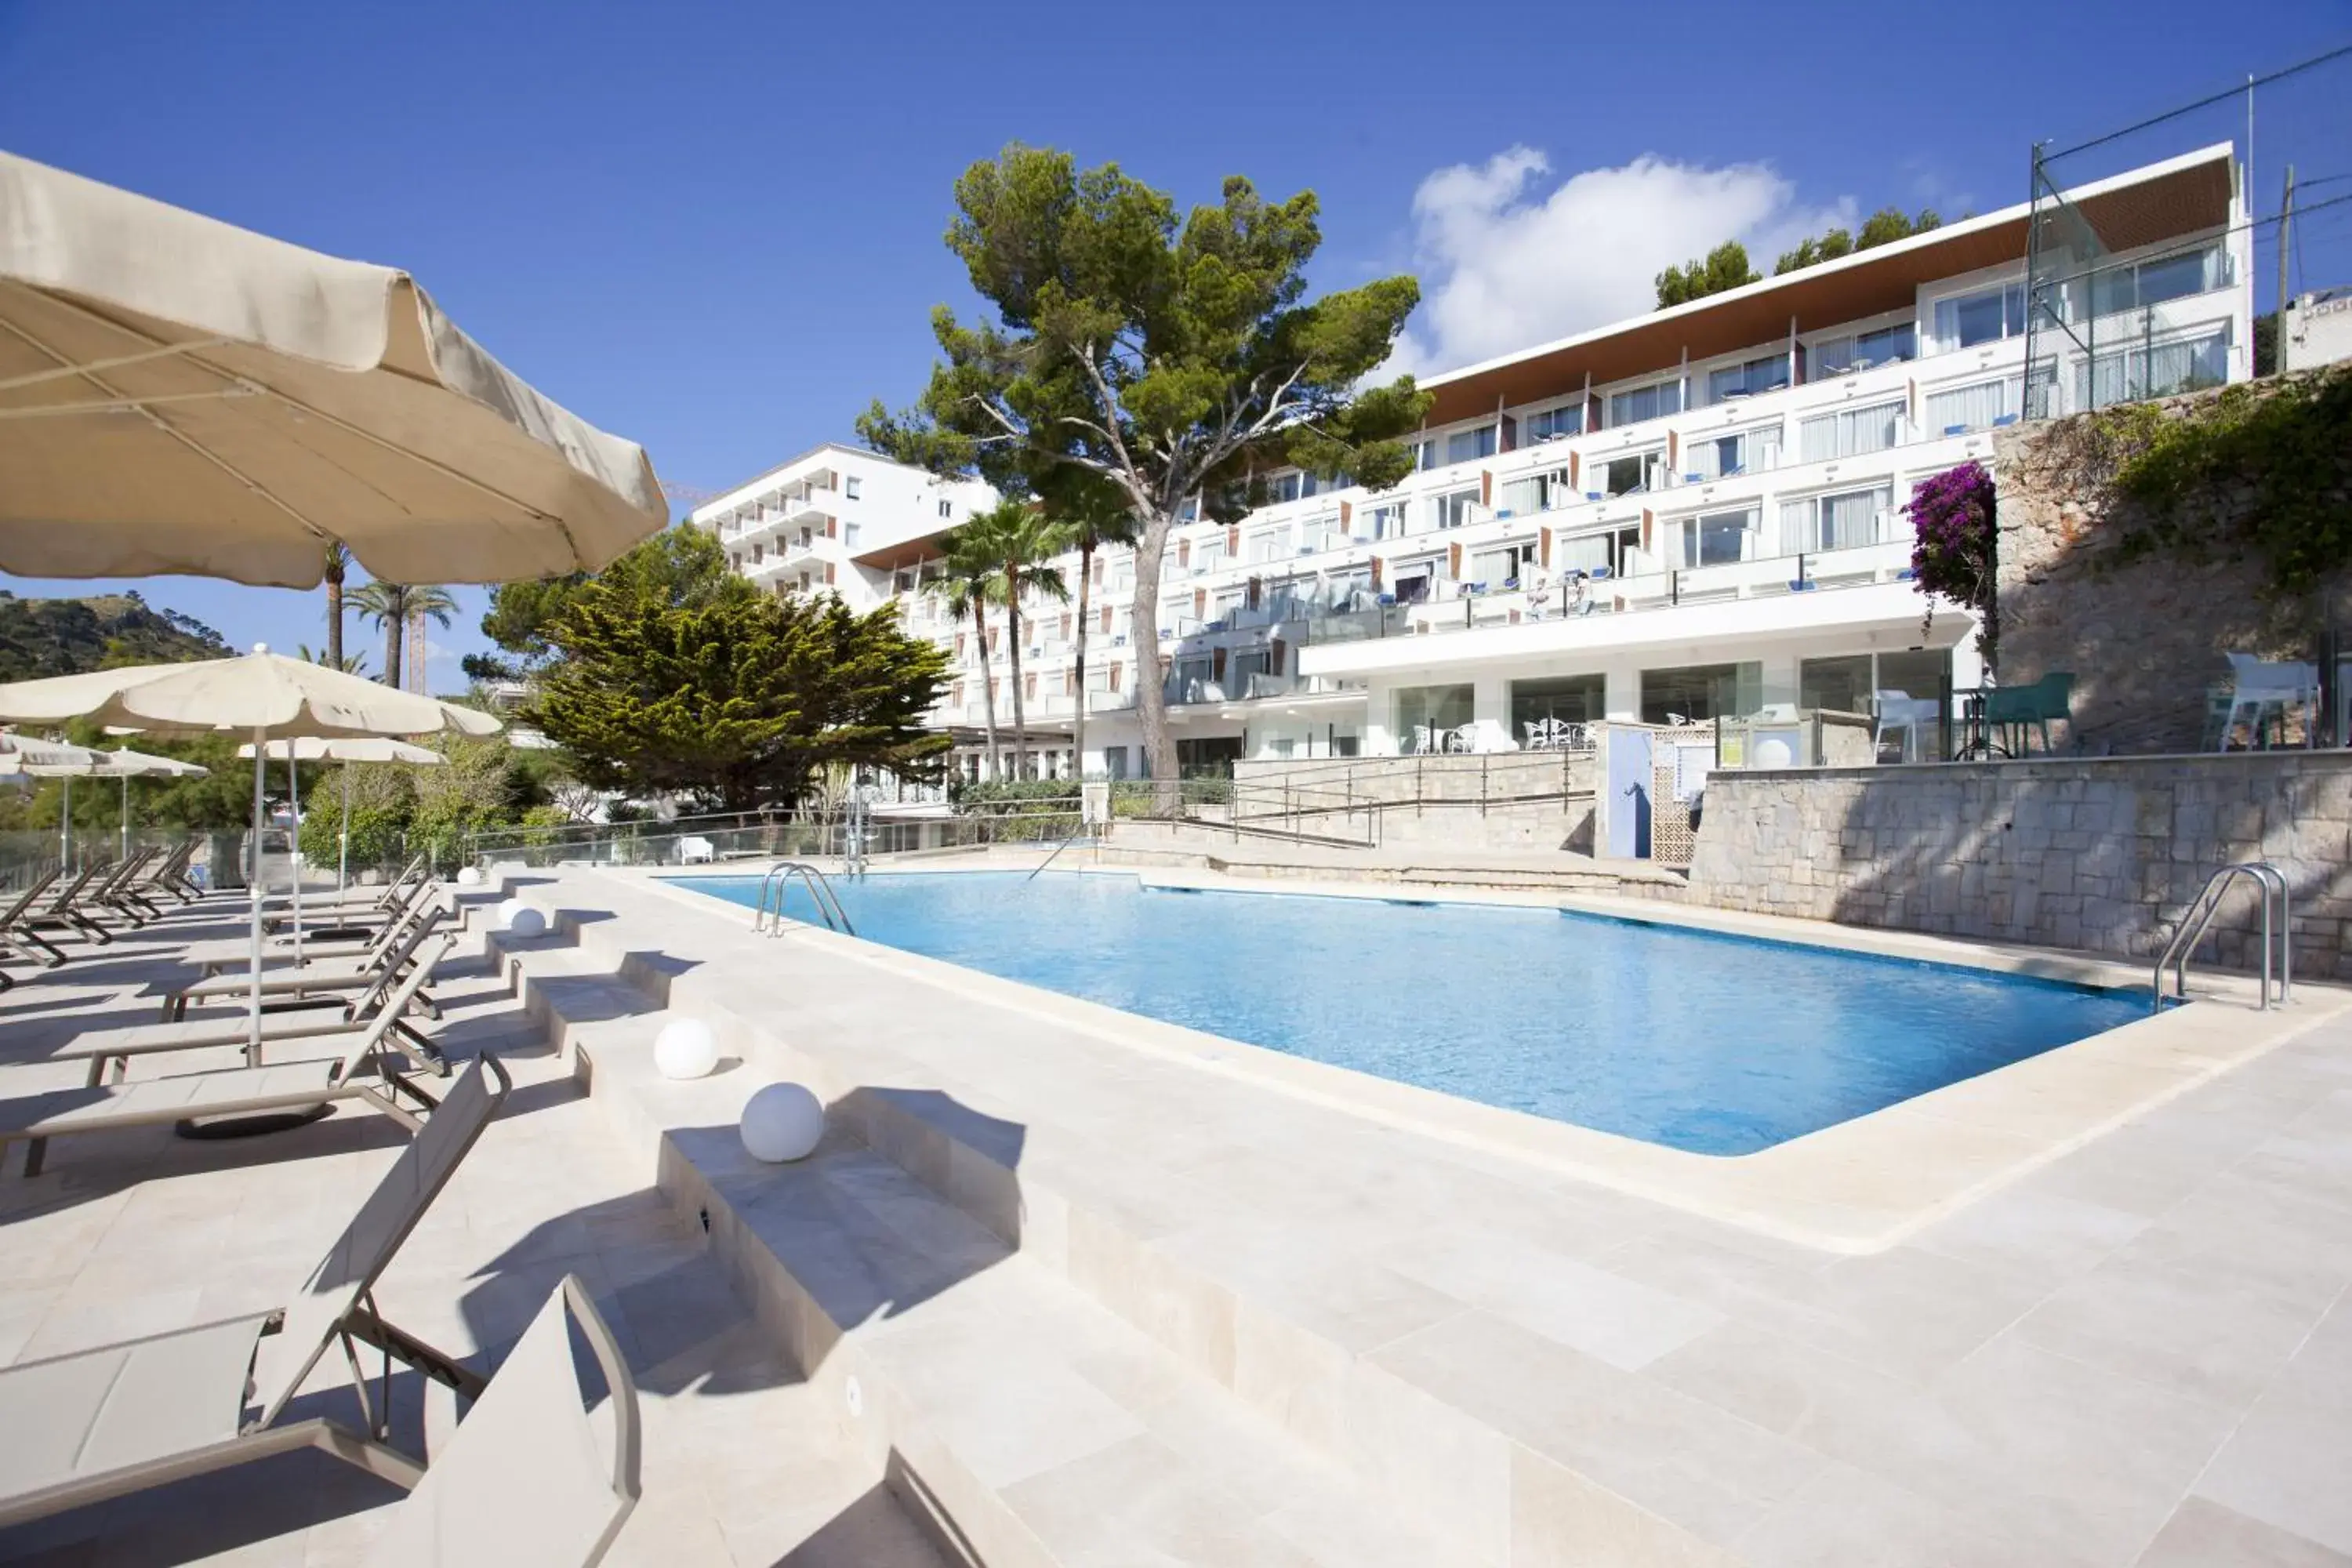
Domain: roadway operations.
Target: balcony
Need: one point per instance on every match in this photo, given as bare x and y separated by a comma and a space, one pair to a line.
1254, 686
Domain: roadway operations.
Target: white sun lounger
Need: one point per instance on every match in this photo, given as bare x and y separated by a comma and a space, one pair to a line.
327, 980
363, 1070
104, 1423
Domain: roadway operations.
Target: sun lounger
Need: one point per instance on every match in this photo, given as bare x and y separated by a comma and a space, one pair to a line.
17, 930
357, 1010
224, 954
529, 1479
230, 973
98, 1424
314, 985
362, 1069
119, 894
65, 908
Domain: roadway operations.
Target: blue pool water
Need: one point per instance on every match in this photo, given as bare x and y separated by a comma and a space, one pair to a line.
1712, 1043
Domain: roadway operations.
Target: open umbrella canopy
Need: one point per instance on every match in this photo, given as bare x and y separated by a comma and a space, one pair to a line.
260, 694
350, 749
181, 395
122, 761
27, 754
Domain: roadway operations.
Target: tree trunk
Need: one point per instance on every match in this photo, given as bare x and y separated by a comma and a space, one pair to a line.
334, 616
987, 687
1013, 632
1078, 723
395, 626
1150, 698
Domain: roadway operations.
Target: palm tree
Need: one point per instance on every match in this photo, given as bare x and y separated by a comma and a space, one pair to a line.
1022, 539
392, 606
1091, 518
339, 561
970, 575
356, 664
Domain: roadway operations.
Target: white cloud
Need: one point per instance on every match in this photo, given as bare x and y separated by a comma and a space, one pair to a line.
1506, 263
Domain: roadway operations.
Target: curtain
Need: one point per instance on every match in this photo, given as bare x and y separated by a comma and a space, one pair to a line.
1973, 407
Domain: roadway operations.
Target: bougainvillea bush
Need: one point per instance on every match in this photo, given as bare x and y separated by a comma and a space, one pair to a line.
1952, 551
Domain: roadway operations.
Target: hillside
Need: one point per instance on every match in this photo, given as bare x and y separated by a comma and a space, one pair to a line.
65, 637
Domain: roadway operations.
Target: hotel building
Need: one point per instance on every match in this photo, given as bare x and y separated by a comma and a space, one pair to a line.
1692, 513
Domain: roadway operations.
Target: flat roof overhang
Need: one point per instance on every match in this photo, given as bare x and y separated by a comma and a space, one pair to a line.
911, 552
2183, 196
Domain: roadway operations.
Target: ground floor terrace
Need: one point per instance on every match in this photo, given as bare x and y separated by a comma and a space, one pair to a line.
1065, 1285
1389, 685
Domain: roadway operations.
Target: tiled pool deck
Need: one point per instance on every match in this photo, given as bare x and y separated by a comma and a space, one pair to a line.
1097, 1292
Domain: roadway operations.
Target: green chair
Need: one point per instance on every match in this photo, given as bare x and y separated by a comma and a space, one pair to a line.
2016, 712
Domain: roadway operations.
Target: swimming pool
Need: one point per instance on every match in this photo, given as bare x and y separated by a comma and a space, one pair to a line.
1717, 1044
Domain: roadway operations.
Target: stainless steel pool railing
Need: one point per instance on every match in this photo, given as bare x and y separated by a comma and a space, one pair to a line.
2278, 935
777, 879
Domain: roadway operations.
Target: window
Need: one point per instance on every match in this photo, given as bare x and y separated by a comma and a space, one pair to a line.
1851, 432
1281, 488
1721, 456
1570, 699
1757, 375
1469, 445
1841, 522
2153, 372
1852, 683
1550, 423
1453, 510
1425, 453
1985, 317
1424, 712
1834, 356
947, 508
849, 487
1982, 404
1630, 475
2146, 283
1273, 544
1388, 520
1644, 403
1701, 691
1511, 563
1842, 684
1716, 539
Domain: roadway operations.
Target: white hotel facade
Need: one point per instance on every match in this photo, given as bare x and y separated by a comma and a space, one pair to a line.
1693, 514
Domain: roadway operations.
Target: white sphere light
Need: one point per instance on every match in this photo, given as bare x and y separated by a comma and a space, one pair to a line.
469, 876
782, 1122
1774, 752
685, 1049
519, 919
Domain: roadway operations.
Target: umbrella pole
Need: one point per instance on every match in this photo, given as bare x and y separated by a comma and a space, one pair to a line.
344, 841
65, 824
253, 887
294, 845
126, 816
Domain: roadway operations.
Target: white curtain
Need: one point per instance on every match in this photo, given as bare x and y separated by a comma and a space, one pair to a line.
1852, 432
1973, 407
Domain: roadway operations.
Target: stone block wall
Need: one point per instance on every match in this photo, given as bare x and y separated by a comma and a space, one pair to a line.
2146, 639
2102, 853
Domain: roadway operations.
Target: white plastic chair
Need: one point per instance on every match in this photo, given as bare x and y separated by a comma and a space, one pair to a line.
695, 852
2258, 686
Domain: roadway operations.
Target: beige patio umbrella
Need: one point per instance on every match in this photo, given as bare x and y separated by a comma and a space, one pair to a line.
27, 756
181, 395
345, 749
264, 695
126, 764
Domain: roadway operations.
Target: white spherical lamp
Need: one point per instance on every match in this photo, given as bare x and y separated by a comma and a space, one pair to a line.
782, 1122
685, 1049
1774, 752
469, 876
519, 919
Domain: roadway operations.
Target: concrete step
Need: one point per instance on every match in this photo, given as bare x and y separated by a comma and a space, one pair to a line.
1024, 1422
1442, 1430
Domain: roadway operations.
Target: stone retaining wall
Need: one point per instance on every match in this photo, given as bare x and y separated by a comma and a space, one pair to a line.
2102, 853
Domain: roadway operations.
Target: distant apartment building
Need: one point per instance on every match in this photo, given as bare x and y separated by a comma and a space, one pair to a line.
1694, 513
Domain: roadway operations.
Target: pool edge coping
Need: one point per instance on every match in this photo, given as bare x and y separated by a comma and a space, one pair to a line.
1858, 1186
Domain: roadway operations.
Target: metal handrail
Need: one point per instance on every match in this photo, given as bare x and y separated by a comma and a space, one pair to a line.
2270, 882
1048, 860
779, 877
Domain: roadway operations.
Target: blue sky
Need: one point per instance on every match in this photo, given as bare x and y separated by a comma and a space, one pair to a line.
715, 229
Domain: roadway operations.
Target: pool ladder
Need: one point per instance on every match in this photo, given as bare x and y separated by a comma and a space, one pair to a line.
2278, 931
778, 880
